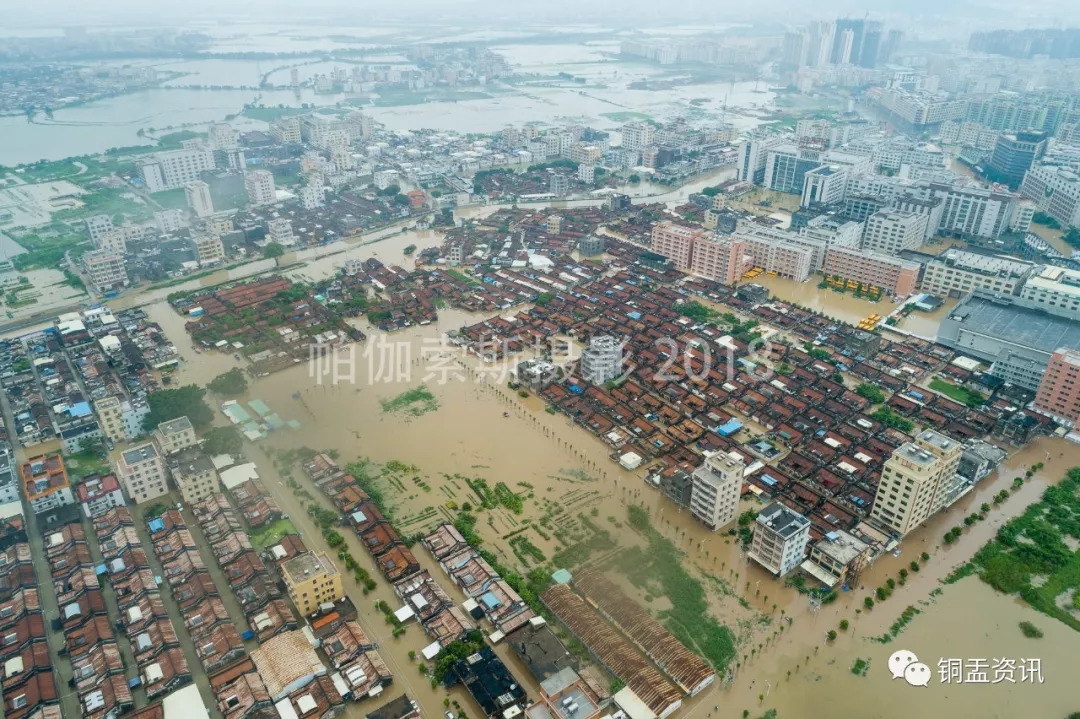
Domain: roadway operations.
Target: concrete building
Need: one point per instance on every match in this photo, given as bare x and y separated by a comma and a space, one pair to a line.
714, 497
260, 187
198, 198
105, 269
837, 559
559, 184
824, 185
175, 435
930, 207
891, 231
142, 473
280, 231
754, 155
955, 272
915, 481
110, 418
112, 240
1013, 156
311, 579
194, 475
175, 168
286, 130
720, 258
172, 220
893, 275
1059, 392
1057, 288
1016, 335
586, 173
972, 211
9, 482
637, 135
311, 196
782, 253
209, 249
1055, 190
676, 242
591, 245
45, 482
786, 167
602, 360
97, 495
780, 538
98, 225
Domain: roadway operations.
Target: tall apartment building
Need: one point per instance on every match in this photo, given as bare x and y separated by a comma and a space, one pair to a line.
208, 248
194, 475
1059, 391
892, 231
1014, 154
311, 579
780, 539
786, 167
171, 220
142, 472
280, 231
929, 207
97, 225
753, 156
895, 276
602, 360
637, 135
175, 435
222, 136
916, 481
1055, 190
1057, 288
110, 418
720, 258
45, 483
714, 497
286, 130
955, 272
105, 269
311, 196
198, 198
676, 242
175, 168
972, 211
112, 240
260, 187
824, 185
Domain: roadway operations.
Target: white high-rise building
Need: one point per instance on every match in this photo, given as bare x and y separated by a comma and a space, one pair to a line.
916, 481
106, 270
637, 135
311, 196
175, 168
198, 198
281, 232
714, 496
171, 220
891, 231
96, 225
260, 187
142, 472
602, 360
780, 539
223, 137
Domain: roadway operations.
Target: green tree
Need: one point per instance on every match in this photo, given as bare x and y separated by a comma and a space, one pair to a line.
273, 250
831, 635
229, 383
544, 298
186, 401
223, 440
871, 392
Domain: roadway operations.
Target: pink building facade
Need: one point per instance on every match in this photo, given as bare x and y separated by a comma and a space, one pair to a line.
1059, 391
895, 276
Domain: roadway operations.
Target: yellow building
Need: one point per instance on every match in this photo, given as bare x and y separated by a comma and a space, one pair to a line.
312, 579
918, 480
111, 418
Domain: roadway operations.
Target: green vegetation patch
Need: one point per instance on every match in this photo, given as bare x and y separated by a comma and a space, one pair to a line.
270, 534
660, 565
971, 398
415, 402
1035, 545
625, 116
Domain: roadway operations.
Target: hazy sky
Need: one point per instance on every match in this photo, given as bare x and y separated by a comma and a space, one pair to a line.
933, 17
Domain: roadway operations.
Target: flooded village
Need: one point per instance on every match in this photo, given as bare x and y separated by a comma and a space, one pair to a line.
690, 398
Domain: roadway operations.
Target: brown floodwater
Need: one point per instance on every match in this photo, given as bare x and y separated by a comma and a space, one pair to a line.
482, 429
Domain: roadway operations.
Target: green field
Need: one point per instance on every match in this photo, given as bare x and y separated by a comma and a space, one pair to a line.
270, 534
626, 116
960, 394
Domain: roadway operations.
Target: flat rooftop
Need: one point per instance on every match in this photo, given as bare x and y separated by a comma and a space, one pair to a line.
1013, 320
141, 453
782, 520
172, 426
303, 566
